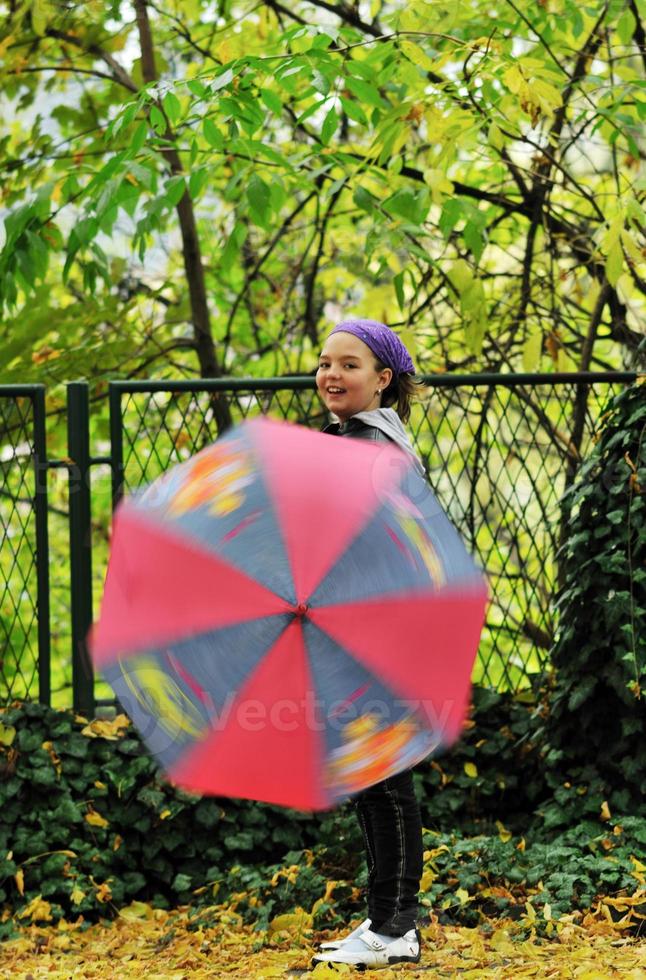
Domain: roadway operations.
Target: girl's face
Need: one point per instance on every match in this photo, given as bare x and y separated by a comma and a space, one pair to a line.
347, 379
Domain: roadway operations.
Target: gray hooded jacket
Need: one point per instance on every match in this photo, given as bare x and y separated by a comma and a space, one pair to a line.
385, 421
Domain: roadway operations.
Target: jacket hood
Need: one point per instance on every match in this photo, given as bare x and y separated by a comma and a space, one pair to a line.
388, 421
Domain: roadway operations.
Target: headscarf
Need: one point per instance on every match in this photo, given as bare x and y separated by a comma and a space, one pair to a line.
382, 341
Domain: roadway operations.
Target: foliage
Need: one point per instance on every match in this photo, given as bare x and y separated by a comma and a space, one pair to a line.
595, 713
149, 942
203, 176
85, 814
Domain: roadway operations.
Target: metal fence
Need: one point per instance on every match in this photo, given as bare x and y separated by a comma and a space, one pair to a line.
500, 451
24, 582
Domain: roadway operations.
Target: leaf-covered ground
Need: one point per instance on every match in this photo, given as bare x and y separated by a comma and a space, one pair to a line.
161, 945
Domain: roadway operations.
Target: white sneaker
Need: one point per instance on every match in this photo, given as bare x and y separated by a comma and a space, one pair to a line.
371, 949
337, 943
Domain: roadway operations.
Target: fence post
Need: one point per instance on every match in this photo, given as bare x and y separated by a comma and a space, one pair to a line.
80, 520
116, 442
42, 547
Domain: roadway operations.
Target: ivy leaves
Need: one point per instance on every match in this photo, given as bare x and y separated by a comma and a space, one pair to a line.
597, 715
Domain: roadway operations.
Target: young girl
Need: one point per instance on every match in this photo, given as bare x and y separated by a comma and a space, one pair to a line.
364, 369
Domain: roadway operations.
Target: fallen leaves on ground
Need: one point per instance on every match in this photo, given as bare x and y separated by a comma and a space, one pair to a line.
212, 943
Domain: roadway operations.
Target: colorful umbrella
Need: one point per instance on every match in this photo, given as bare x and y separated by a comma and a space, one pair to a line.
289, 616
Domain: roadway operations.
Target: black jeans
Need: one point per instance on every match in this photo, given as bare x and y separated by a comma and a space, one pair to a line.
391, 823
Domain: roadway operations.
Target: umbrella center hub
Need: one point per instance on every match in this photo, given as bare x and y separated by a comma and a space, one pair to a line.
301, 610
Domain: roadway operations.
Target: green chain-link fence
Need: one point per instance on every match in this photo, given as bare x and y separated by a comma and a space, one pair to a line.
24, 585
500, 451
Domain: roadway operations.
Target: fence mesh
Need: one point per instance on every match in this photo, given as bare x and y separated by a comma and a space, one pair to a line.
497, 455
18, 584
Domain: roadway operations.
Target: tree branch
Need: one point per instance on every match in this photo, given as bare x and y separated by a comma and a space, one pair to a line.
191, 250
119, 74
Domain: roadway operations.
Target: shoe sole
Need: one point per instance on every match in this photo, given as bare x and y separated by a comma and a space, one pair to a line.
375, 966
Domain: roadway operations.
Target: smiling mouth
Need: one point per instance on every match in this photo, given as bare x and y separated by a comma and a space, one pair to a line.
335, 391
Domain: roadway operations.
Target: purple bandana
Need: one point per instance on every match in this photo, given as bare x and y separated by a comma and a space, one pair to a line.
382, 341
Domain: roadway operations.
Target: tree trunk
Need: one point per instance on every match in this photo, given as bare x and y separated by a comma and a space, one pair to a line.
191, 251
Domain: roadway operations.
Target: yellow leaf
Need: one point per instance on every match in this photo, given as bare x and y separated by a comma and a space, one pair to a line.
56, 762
547, 95
330, 970
463, 896
513, 79
103, 728
7, 734
614, 263
164, 814
428, 878
460, 276
96, 820
36, 910
329, 888
408, 339
605, 811
77, 895
439, 183
471, 770
293, 922
495, 137
503, 833
103, 892
136, 911
418, 56
532, 349
45, 353
19, 878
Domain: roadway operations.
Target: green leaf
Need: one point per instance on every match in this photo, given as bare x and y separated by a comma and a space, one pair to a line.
172, 106
272, 101
139, 137
330, 126
197, 89
364, 199
157, 120
366, 93
212, 134
614, 263
626, 26
259, 197
398, 282
39, 16
175, 189
408, 205
354, 111
197, 181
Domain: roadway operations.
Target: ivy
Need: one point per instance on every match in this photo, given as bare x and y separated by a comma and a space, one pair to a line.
596, 710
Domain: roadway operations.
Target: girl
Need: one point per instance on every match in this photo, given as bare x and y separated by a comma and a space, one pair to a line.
364, 369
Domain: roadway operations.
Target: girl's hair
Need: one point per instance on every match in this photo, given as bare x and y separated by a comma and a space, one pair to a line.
402, 391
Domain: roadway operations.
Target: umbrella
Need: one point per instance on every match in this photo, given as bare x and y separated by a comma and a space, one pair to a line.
289, 617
